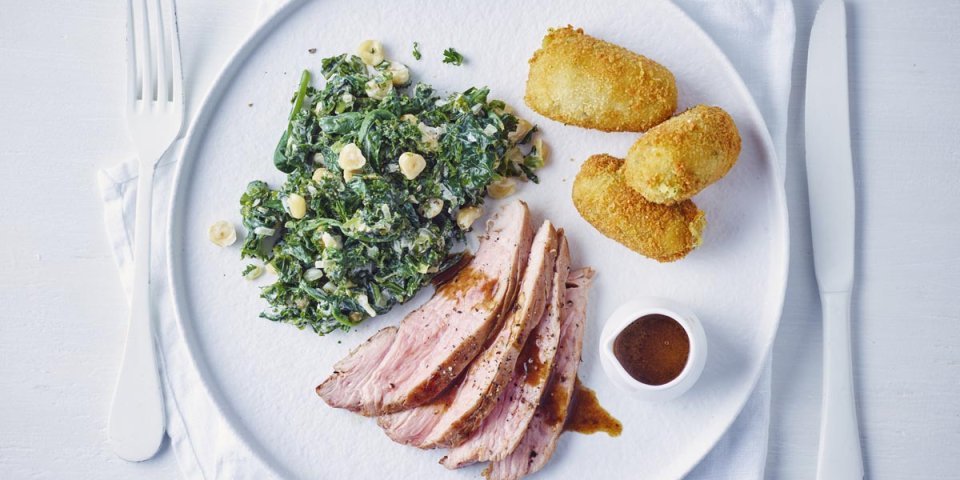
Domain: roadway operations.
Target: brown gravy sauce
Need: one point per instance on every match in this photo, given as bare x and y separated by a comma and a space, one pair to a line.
529, 365
553, 403
653, 349
587, 416
468, 278
451, 271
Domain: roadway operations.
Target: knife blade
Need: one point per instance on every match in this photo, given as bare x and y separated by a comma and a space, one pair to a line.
829, 161
832, 221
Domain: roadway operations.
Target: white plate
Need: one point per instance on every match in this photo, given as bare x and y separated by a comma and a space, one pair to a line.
262, 375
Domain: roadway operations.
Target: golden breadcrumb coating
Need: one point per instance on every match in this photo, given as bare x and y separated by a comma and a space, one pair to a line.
580, 80
662, 232
680, 157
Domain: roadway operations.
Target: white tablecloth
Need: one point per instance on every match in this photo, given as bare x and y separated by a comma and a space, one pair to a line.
63, 316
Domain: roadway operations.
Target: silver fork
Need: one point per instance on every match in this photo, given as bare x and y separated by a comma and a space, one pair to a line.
154, 110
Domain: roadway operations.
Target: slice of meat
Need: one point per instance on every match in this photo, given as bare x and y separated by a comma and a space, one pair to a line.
368, 354
434, 343
457, 414
540, 439
411, 427
501, 432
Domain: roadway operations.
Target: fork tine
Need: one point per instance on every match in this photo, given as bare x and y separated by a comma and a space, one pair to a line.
132, 93
143, 52
160, 50
174, 34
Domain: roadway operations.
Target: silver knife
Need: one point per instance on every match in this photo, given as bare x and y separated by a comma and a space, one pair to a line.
832, 215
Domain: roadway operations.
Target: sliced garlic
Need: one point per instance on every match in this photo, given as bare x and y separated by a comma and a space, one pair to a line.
296, 206
371, 52
467, 215
330, 241
431, 208
320, 174
430, 136
313, 274
222, 233
378, 89
523, 127
365, 304
514, 155
506, 109
400, 74
351, 158
254, 273
348, 174
504, 187
411, 164
541, 148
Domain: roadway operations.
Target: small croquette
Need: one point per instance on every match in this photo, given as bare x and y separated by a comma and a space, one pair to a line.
581, 80
662, 232
680, 157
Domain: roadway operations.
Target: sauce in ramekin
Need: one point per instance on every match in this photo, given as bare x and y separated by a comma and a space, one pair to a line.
653, 349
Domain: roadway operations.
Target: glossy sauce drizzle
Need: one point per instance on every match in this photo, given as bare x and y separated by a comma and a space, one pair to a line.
587, 416
445, 276
530, 366
467, 279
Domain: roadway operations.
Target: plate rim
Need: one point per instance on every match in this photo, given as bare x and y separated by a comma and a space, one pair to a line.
198, 126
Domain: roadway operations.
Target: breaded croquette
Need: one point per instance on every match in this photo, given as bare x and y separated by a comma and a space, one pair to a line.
680, 157
580, 80
662, 232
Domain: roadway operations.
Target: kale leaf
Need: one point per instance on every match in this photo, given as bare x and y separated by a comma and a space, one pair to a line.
452, 57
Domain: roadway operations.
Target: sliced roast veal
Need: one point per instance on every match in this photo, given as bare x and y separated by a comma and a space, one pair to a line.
457, 414
540, 439
368, 354
501, 431
434, 343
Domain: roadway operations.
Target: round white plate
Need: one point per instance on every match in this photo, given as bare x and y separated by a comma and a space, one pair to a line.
262, 374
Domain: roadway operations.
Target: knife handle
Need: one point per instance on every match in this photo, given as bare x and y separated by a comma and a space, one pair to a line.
840, 456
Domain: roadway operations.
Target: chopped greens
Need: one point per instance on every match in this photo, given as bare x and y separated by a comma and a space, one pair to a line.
416, 50
452, 57
372, 238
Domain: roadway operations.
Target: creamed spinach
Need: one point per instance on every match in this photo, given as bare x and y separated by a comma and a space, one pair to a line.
372, 238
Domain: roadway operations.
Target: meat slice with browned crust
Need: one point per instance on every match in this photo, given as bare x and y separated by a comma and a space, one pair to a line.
368, 354
456, 415
501, 432
540, 439
437, 341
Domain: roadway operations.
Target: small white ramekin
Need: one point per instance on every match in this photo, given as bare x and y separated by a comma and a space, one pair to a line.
624, 316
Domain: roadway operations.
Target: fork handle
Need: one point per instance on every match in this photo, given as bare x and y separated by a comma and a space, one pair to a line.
137, 417
840, 456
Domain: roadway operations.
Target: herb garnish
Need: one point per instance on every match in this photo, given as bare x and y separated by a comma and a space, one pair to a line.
374, 239
452, 57
416, 50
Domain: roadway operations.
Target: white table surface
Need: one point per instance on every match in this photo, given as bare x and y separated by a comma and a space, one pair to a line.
62, 311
